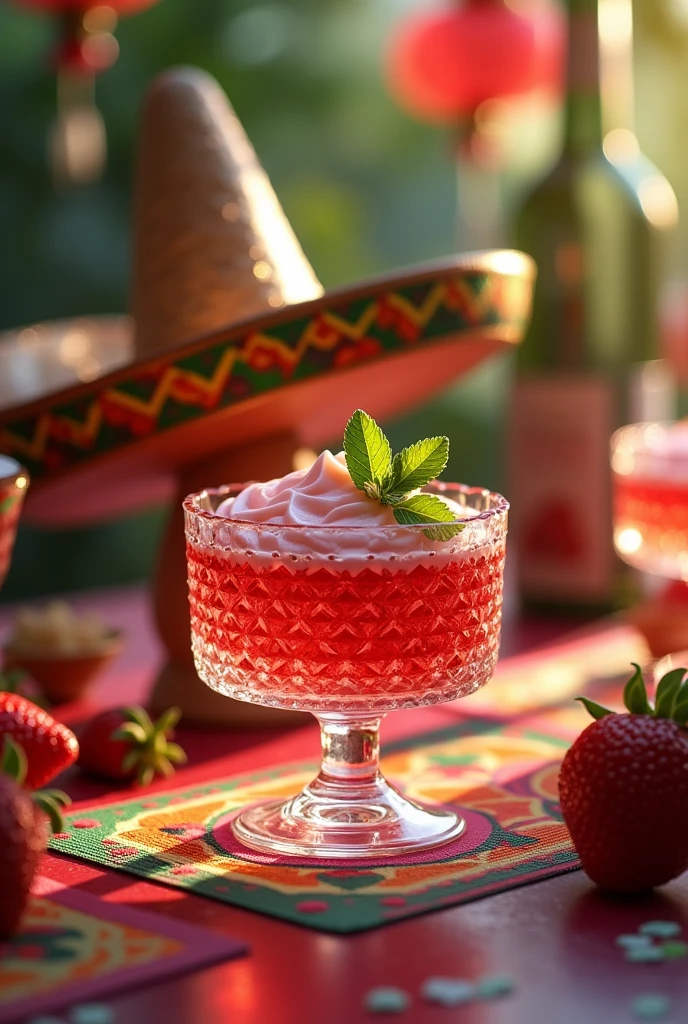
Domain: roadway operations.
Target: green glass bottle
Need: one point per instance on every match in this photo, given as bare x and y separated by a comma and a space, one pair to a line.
597, 226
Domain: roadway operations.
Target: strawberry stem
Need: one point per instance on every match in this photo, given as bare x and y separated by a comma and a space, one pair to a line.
671, 697
151, 751
51, 802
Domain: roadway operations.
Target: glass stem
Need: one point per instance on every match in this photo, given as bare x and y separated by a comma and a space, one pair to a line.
350, 749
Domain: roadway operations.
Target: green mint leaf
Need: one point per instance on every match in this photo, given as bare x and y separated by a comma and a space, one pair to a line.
635, 694
596, 710
368, 454
426, 508
667, 693
417, 465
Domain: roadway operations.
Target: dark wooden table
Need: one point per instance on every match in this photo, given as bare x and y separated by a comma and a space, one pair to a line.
555, 939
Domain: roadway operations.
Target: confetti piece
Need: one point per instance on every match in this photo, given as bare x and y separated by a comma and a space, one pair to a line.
92, 1013
448, 991
633, 941
674, 950
491, 987
651, 1006
386, 1000
661, 929
647, 955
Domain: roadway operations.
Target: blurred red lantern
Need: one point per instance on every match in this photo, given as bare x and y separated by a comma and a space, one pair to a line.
86, 46
121, 7
442, 65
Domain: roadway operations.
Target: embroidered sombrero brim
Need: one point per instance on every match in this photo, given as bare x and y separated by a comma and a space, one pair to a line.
108, 444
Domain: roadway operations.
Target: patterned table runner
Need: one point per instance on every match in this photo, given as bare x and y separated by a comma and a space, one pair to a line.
498, 764
75, 948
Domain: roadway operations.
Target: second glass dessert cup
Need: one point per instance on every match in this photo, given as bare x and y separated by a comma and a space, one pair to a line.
650, 477
348, 623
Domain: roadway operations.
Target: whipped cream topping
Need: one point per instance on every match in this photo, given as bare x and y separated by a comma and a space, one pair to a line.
324, 495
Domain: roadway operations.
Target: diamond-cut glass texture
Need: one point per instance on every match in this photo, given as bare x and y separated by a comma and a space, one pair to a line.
321, 639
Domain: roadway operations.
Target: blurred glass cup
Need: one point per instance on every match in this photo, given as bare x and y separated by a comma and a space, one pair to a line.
668, 663
14, 481
650, 482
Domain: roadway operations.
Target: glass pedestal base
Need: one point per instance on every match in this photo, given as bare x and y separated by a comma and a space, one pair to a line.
333, 819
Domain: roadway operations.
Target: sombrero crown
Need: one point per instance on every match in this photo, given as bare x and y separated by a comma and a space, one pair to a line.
234, 340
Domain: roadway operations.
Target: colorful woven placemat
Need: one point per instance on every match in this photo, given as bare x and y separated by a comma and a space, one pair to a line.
498, 764
74, 948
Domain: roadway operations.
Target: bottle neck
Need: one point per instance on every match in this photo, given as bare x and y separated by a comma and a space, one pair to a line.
583, 114
599, 93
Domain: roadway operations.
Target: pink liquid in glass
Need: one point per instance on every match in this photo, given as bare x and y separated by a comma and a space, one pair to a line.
332, 640
650, 479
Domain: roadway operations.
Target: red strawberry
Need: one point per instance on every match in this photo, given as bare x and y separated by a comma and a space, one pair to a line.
623, 788
50, 746
125, 744
23, 834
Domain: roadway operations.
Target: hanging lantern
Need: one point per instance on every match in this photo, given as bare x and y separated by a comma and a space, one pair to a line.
447, 64
86, 46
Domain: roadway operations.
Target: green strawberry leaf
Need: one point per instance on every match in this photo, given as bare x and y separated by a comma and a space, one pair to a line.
164, 766
667, 693
368, 454
167, 721
137, 714
13, 763
427, 509
680, 714
416, 466
176, 754
151, 751
596, 710
130, 760
52, 802
635, 694
130, 731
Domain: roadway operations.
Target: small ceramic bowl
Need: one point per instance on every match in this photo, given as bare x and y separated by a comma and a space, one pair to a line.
65, 677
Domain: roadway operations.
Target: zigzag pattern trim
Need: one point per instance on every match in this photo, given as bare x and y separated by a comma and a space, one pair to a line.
325, 332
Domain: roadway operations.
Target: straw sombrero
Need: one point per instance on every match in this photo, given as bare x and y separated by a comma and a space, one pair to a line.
234, 356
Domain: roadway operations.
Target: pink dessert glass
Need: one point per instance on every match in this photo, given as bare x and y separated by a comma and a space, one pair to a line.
650, 499
14, 481
347, 623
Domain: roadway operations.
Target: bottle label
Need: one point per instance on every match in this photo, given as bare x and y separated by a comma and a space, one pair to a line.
560, 488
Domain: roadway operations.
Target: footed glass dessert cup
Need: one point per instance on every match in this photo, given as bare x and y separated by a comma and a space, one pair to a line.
349, 623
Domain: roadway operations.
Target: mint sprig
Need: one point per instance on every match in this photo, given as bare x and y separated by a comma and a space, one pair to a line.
392, 481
